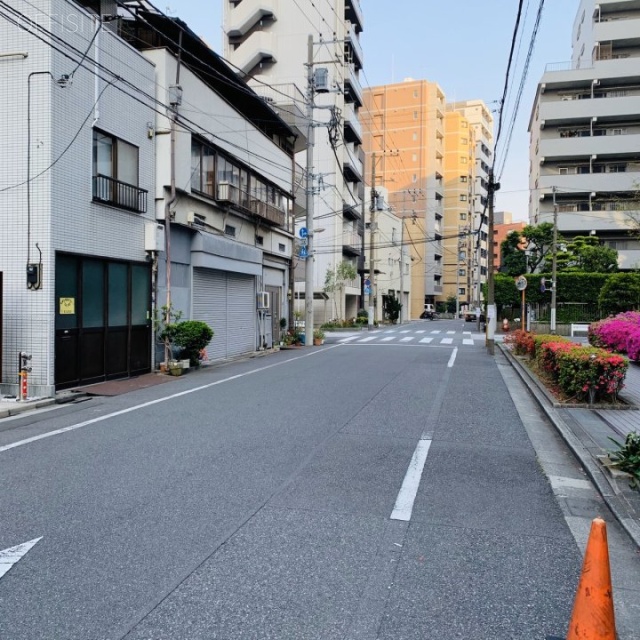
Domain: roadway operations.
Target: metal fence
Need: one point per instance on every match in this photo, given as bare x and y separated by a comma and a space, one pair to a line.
566, 312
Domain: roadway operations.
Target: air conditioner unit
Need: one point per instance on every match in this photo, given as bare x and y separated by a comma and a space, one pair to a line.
224, 192
263, 300
153, 237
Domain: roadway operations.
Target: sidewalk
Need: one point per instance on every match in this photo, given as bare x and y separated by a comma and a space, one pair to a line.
587, 432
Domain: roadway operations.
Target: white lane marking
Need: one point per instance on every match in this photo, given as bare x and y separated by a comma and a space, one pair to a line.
451, 333
446, 341
406, 497
405, 331
144, 405
407, 339
435, 331
10, 556
426, 340
467, 341
421, 331
390, 331
369, 339
466, 333
348, 339
452, 359
389, 338
559, 482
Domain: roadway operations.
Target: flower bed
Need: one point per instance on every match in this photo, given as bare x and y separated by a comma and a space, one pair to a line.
584, 373
620, 333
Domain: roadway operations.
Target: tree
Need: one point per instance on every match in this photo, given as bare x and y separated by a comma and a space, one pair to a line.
392, 308
450, 303
526, 251
585, 254
621, 292
335, 281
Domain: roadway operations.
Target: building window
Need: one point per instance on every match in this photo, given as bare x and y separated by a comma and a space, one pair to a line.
260, 240
462, 272
463, 160
464, 124
229, 230
414, 178
462, 291
281, 247
415, 135
414, 157
464, 140
463, 216
463, 178
415, 115
202, 168
415, 93
115, 173
463, 197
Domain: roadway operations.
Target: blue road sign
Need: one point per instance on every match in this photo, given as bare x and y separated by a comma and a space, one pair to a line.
304, 251
367, 291
304, 232
367, 283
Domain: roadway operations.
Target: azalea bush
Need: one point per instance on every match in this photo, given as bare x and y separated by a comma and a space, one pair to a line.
520, 342
620, 333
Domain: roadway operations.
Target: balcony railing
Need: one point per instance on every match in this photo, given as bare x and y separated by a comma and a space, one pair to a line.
231, 193
119, 194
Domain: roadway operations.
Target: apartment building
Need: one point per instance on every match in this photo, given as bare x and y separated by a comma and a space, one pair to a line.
458, 240
481, 122
98, 209
404, 130
585, 130
503, 225
269, 46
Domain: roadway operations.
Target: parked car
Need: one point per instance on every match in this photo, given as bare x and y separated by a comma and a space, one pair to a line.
471, 316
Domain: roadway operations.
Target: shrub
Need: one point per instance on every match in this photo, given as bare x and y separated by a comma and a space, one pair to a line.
547, 355
539, 340
621, 292
520, 342
614, 333
627, 457
192, 336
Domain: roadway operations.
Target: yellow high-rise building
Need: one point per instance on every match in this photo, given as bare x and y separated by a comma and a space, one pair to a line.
404, 129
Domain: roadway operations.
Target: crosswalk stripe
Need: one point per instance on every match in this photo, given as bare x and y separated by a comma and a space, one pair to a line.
446, 341
369, 339
391, 331
388, 338
436, 331
451, 333
407, 339
466, 333
348, 339
467, 341
406, 331
421, 331
426, 340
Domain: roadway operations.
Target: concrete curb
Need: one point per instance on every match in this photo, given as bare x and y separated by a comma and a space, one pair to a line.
606, 486
21, 407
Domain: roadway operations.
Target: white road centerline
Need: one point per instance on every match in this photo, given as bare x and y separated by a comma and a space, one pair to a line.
151, 403
406, 497
452, 359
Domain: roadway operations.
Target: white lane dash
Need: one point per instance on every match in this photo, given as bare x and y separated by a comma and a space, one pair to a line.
426, 340
406, 496
390, 331
407, 339
451, 333
466, 333
436, 331
446, 341
388, 338
10, 556
405, 331
369, 339
348, 339
421, 331
452, 359
467, 341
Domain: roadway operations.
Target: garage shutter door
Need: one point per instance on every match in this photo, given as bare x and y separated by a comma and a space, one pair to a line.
226, 302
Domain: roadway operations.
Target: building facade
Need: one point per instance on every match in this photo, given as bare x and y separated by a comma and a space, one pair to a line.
404, 142
271, 48
585, 131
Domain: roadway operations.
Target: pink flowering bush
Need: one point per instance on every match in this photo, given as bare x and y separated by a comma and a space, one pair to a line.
548, 353
614, 333
633, 343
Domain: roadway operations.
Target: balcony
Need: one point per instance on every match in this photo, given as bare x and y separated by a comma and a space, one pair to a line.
588, 182
352, 86
351, 243
353, 13
352, 126
245, 15
559, 111
618, 31
352, 164
355, 48
231, 194
257, 48
352, 211
119, 194
618, 146
267, 212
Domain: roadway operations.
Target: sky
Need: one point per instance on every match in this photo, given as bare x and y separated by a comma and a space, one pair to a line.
463, 45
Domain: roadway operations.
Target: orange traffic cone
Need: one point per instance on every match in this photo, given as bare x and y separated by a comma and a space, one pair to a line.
593, 616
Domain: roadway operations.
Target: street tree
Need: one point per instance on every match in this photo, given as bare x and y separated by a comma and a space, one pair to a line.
513, 260
335, 281
526, 251
585, 254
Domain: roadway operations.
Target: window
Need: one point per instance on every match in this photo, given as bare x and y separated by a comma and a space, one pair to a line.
202, 168
617, 168
462, 272
414, 157
462, 291
464, 124
260, 240
414, 178
415, 115
463, 178
115, 173
463, 197
415, 135
415, 93
463, 160
281, 247
463, 216
464, 140
230, 230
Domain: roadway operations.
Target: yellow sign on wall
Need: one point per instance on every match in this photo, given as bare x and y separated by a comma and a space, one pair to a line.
67, 306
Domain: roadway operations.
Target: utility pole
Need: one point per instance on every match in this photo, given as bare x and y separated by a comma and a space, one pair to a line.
491, 299
554, 265
372, 224
402, 270
309, 262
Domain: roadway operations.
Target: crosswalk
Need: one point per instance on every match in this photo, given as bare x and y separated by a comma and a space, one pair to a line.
421, 336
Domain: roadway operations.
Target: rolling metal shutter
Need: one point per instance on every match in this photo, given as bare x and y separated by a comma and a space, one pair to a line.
226, 302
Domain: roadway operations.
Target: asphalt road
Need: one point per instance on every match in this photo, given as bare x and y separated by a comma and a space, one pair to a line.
364, 490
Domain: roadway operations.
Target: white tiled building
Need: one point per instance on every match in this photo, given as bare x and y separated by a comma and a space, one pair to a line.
268, 42
585, 130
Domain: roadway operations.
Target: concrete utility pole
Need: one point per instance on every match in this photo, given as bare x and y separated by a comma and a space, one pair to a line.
554, 266
372, 223
309, 262
402, 270
491, 299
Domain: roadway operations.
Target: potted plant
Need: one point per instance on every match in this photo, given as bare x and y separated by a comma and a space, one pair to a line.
283, 327
318, 337
192, 336
165, 324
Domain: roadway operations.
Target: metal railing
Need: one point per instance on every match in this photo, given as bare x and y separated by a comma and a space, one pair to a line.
119, 194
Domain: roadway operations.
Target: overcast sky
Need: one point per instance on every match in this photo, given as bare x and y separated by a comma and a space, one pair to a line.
463, 45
